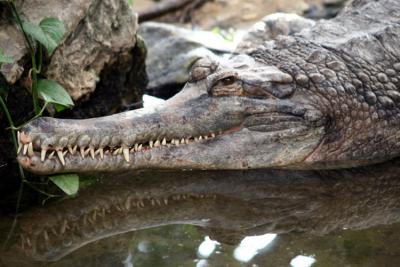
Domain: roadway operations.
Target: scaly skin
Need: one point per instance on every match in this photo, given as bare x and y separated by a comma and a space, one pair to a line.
327, 97
247, 202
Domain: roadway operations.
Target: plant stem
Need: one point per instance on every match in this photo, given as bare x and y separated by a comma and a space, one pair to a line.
10, 121
19, 21
16, 128
35, 94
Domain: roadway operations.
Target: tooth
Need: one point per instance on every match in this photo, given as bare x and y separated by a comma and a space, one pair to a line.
65, 152
51, 154
187, 140
196, 139
101, 152
87, 151
212, 135
182, 140
45, 235
61, 157
91, 151
157, 143
164, 142
19, 142
200, 138
206, 137
126, 154
70, 149
19, 148
74, 149
43, 154
115, 152
165, 201
30, 149
25, 149
151, 143
140, 147
82, 150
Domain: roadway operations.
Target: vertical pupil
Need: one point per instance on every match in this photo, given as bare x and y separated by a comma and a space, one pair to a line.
228, 80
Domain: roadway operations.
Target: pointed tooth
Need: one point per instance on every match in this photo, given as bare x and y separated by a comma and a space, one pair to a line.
19, 148
61, 157
200, 138
165, 201
65, 152
70, 150
151, 143
157, 143
91, 151
101, 153
187, 141
43, 155
206, 137
82, 151
45, 235
87, 151
30, 149
74, 149
136, 147
25, 149
196, 139
140, 147
51, 154
212, 135
182, 140
126, 154
164, 142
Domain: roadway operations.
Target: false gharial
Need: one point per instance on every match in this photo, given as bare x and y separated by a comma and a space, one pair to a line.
326, 97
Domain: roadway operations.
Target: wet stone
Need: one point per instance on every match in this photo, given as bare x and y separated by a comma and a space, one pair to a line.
370, 97
383, 78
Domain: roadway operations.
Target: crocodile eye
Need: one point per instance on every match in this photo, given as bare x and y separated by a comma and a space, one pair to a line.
226, 81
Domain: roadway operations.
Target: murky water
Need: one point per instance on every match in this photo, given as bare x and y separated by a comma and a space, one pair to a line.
229, 218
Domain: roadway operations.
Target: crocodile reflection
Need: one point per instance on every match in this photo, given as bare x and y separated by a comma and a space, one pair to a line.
254, 202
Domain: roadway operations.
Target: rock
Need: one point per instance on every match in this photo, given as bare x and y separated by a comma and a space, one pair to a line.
171, 52
97, 34
270, 27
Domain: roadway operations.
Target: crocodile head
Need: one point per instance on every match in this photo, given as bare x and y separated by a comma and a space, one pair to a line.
239, 114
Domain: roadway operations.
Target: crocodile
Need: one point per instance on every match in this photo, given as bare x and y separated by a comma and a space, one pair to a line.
324, 98
223, 204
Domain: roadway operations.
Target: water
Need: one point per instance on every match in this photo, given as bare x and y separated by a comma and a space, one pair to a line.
219, 218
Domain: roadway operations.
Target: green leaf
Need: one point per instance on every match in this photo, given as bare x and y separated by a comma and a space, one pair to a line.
4, 58
130, 2
69, 183
49, 32
52, 92
54, 28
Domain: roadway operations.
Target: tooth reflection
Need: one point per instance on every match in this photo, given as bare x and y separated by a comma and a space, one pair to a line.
207, 247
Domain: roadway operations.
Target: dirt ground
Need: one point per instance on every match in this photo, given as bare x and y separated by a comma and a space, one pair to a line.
237, 13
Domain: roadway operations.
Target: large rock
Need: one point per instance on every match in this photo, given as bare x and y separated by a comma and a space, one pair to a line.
98, 33
171, 52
